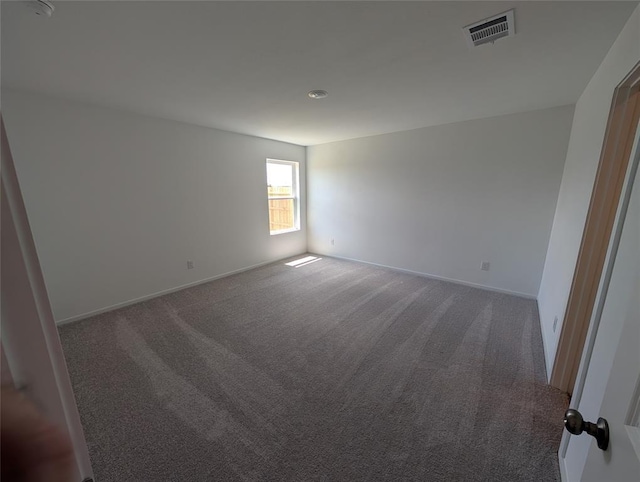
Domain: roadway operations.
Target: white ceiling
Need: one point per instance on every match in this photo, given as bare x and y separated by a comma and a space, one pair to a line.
247, 66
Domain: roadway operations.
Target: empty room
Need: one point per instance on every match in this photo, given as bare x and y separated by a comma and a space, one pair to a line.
317, 240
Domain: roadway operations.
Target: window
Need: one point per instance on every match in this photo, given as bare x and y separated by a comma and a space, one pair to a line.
283, 196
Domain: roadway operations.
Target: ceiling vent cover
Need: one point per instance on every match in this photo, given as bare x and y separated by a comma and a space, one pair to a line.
490, 29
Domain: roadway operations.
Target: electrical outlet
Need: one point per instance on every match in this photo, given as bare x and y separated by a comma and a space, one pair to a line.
333, 242
485, 265
189, 264
555, 323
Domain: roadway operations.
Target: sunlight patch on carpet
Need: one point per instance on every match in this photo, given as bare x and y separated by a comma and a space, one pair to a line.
299, 263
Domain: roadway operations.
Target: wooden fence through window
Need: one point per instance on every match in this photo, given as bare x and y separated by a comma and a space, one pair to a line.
281, 211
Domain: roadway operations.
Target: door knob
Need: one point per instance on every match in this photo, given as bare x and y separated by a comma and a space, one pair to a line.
575, 424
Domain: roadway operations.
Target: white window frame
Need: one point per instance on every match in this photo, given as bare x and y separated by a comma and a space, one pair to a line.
295, 195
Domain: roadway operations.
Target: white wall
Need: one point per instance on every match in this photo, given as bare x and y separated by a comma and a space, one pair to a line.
442, 199
118, 202
583, 155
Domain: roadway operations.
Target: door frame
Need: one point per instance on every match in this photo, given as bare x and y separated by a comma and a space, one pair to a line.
631, 185
613, 168
30, 349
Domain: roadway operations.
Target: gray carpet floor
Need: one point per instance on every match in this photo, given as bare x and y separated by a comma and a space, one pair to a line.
334, 371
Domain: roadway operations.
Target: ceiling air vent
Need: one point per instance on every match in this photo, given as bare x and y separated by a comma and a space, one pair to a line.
490, 29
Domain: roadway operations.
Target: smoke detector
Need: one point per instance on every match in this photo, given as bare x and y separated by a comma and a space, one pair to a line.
318, 94
490, 29
41, 7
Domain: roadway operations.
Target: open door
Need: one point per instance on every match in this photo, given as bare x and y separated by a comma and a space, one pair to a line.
32, 356
608, 385
613, 168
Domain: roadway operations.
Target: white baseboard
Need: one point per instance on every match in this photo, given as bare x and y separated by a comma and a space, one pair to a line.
433, 276
166, 292
563, 469
223, 275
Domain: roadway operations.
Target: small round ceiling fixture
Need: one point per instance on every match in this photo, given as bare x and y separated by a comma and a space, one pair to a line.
318, 94
42, 8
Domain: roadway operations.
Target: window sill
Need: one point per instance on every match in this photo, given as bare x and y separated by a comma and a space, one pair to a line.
284, 231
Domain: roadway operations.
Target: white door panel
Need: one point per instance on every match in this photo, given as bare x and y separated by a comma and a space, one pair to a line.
613, 373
